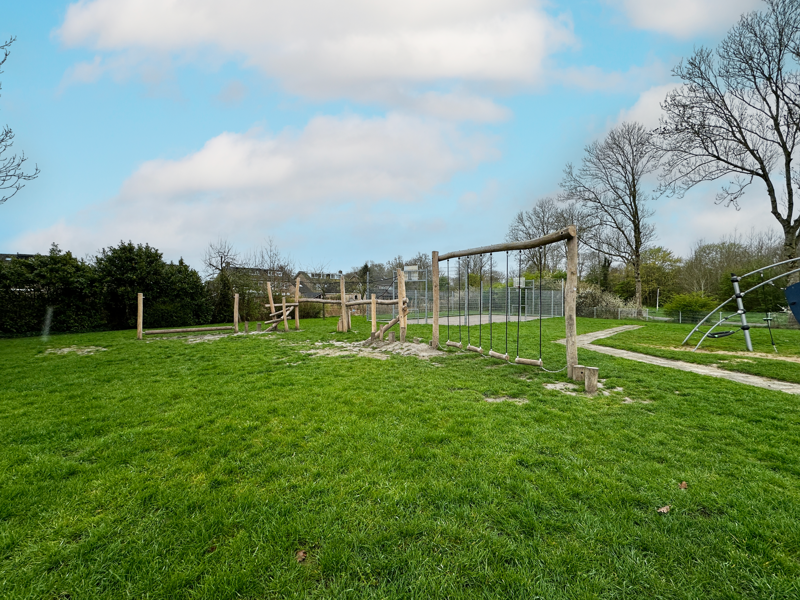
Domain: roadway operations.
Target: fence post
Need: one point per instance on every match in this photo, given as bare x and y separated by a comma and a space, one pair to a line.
139, 316
236, 313
680, 316
345, 319
435, 275
297, 301
374, 315
619, 314
595, 312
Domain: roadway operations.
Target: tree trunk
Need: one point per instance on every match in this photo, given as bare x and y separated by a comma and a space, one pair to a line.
637, 271
790, 240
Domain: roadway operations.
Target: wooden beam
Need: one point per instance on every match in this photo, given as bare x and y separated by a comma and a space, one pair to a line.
280, 312
187, 330
494, 354
571, 295
139, 316
388, 326
557, 236
285, 321
236, 313
297, 301
374, 303
435, 275
269, 293
401, 307
345, 319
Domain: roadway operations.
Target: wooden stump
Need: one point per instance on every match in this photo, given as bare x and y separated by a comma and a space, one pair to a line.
591, 377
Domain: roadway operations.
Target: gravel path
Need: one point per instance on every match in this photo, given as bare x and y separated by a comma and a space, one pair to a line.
585, 341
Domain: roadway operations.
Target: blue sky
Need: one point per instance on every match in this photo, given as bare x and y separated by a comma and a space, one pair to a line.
347, 131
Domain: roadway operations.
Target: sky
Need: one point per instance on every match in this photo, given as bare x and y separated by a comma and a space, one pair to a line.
346, 131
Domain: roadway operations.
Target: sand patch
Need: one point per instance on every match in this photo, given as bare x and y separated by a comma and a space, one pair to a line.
627, 400
518, 401
379, 350
570, 389
80, 351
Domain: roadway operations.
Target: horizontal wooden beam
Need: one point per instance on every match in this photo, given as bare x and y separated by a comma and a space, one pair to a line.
350, 303
188, 330
558, 236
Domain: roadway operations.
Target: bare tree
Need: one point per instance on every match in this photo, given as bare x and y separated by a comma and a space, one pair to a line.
218, 256
11, 173
737, 115
543, 217
610, 186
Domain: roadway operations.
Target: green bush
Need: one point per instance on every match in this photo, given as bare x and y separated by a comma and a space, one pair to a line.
689, 304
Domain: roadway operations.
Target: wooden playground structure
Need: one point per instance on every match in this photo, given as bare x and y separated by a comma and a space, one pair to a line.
282, 313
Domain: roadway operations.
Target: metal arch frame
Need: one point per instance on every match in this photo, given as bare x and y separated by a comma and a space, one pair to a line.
742, 294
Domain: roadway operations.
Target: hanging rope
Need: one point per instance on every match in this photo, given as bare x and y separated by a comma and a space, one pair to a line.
448, 300
467, 305
540, 304
508, 295
459, 300
490, 301
519, 299
480, 304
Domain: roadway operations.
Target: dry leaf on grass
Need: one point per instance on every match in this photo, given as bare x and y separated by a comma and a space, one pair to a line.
300, 555
664, 509
684, 485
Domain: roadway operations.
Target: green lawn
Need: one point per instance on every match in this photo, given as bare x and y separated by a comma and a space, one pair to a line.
664, 340
163, 469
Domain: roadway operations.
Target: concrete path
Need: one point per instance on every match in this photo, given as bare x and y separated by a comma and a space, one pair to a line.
585, 341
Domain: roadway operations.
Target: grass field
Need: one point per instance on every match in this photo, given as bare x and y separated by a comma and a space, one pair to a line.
161, 469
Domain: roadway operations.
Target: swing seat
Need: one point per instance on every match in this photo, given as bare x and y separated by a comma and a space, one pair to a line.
528, 361
497, 355
721, 334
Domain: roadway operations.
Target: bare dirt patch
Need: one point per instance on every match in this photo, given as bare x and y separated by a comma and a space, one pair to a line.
378, 350
518, 401
80, 351
570, 389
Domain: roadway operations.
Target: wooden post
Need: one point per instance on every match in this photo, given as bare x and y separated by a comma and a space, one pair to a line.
592, 374
401, 306
236, 313
271, 303
374, 314
578, 373
345, 316
139, 316
246, 328
435, 275
258, 327
285, 321
571, 292
297, 300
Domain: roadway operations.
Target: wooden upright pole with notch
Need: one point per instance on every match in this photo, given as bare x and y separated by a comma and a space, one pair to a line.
435, 275
401, 296
139, 316
297, 301
374, 304
269, 294
571, 293
343, 295
285, 321
236, 313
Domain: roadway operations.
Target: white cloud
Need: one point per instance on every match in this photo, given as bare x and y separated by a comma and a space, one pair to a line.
684, 18
680, 222
246, 186
647, 109
352, 48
